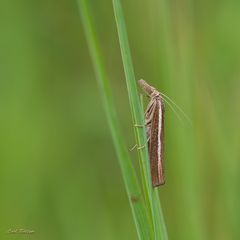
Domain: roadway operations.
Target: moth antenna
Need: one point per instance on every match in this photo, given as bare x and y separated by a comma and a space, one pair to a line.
179, 109
172, 108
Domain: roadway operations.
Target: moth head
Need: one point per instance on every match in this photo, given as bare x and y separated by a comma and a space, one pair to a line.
149, 90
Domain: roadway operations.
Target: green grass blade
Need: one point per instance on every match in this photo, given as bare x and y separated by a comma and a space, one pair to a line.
141, 218
152, 201
162, 233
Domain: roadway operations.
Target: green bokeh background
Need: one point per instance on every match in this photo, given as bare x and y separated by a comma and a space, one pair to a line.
59, 175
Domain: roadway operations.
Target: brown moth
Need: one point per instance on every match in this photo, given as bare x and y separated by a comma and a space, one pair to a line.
154, 120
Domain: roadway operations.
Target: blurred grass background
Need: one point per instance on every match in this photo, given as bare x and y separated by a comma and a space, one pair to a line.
59, 174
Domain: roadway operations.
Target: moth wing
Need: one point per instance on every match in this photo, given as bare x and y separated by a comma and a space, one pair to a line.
148, 116
156, 132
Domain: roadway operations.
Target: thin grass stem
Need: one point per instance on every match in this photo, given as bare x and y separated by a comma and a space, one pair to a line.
141, 218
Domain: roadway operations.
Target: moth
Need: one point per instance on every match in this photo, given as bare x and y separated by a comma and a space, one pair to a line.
154, 121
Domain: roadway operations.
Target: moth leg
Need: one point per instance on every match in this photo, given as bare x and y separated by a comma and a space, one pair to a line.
148, 121
131, 149
140, 147
144, 145
138, 125
135, 146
